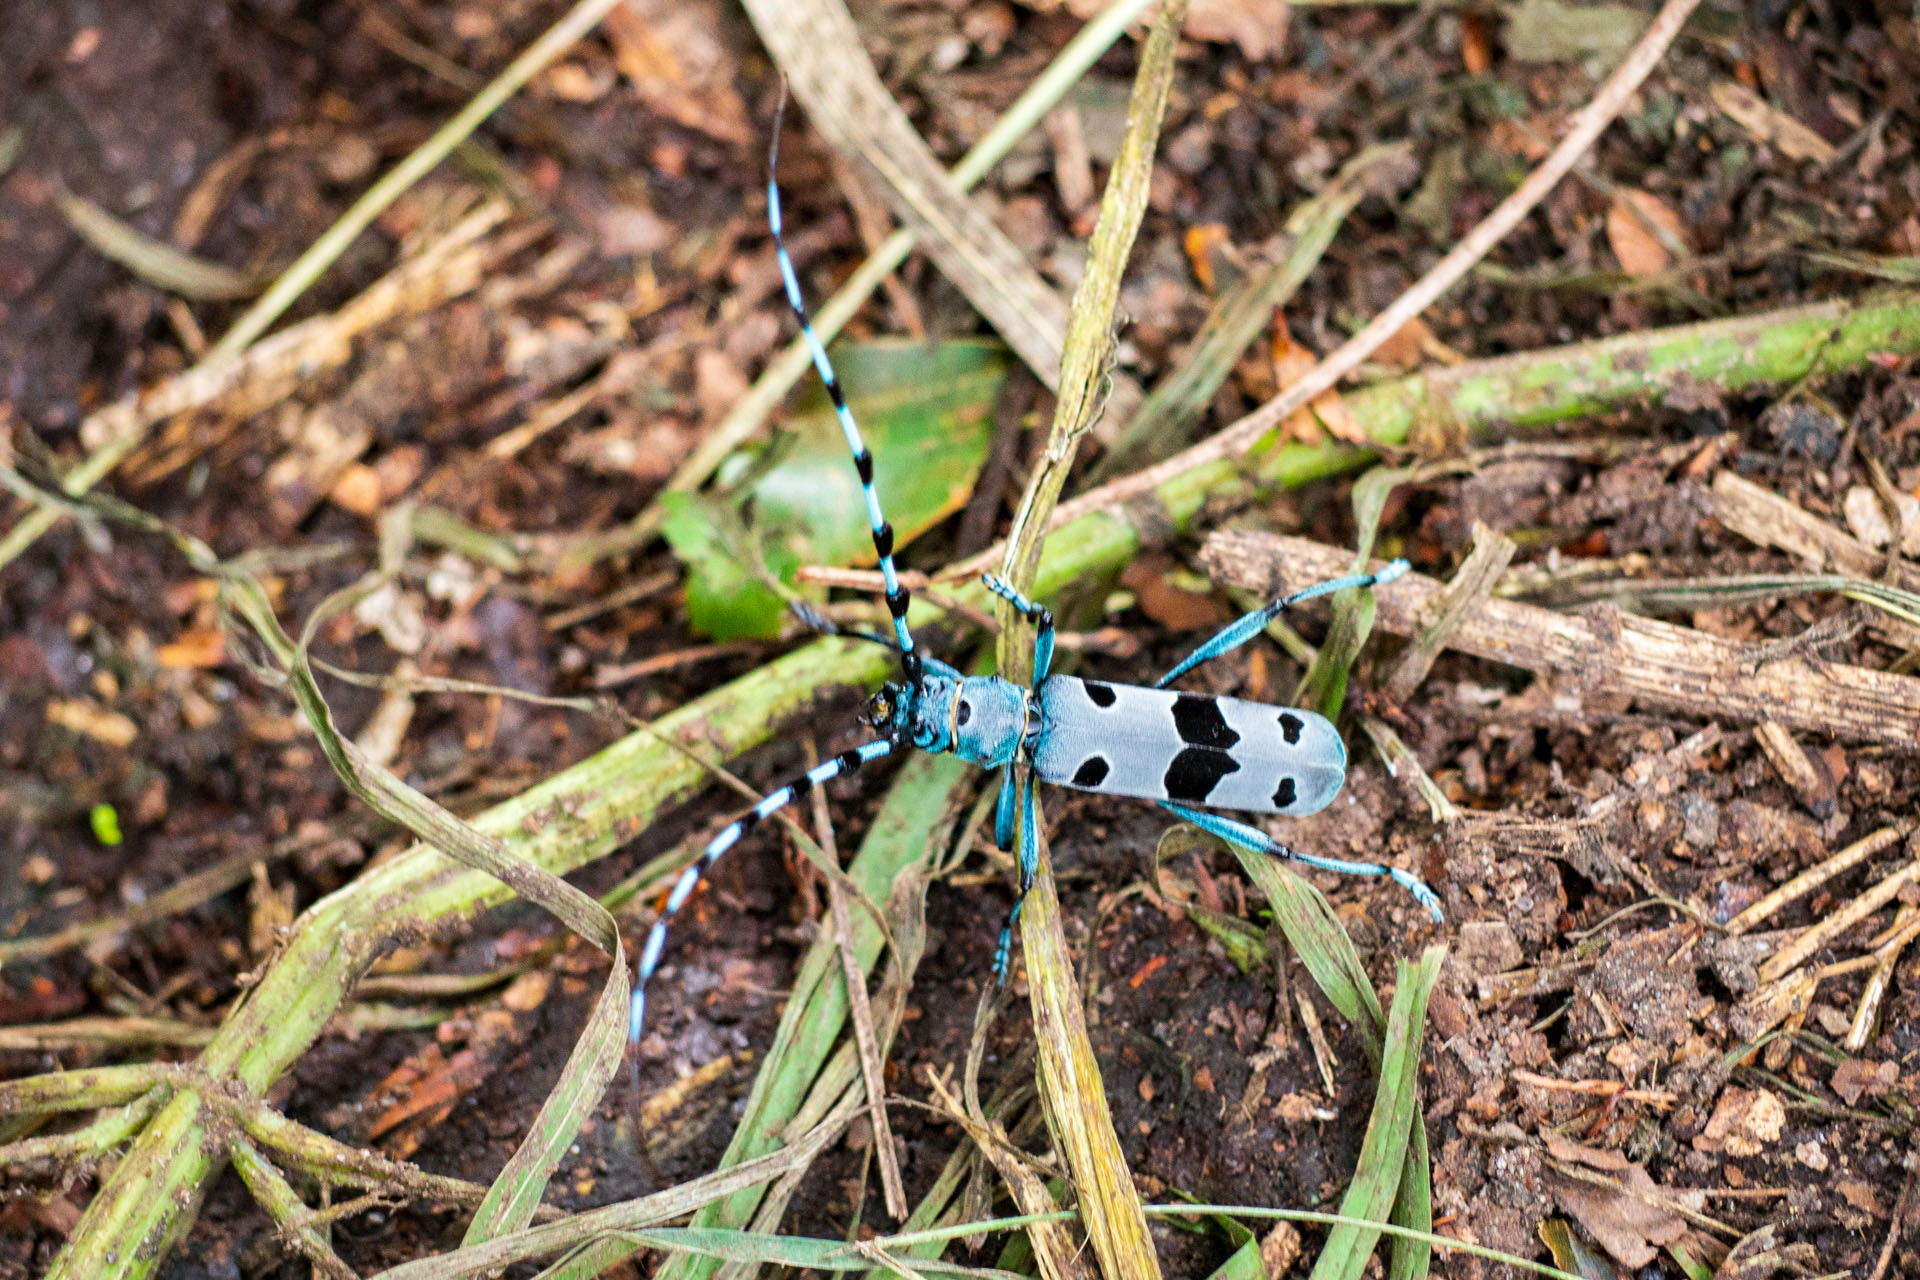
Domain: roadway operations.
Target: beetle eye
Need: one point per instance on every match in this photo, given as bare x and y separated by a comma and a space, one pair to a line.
963, 712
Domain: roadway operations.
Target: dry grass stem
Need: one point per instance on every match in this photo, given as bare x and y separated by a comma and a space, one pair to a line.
859, 1008
1832, 926
1887, 951
1763, 516
1815, 876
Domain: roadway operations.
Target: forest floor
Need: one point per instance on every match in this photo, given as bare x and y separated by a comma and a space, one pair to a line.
1628, 1038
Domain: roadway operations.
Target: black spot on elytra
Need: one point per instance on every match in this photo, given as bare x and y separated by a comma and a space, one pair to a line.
963, 712
1100, 695
1091, 773
1290, 726
1196, 771
1198, 720
1283, 795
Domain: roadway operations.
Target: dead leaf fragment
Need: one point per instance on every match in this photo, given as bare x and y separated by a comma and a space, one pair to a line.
1868, 519
1202, 240
1409, 346
83, 716
1769, 124
357, 491
1280, 1248
1861, 1196
1476, 43
1328, 413
1632, 239
527, 992
196, 649
1856, 1078
679, 61
1487, 947
1167, 602
1631, 1219
1259, 27
1744, 1123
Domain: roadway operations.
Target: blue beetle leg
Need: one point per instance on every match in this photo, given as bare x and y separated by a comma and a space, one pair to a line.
1039, 615
1003, 811
1248, 837
1250, 625
1029, 868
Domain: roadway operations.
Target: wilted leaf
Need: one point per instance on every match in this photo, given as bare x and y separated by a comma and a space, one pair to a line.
1630, 223
1626, 1218
1744, 1123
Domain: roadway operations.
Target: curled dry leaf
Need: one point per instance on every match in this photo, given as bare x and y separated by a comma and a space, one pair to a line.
1328, 413
1640, 251
1745, 1123
1631, 1218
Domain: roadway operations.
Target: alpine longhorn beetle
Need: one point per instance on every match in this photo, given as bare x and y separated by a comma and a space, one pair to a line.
1176, 749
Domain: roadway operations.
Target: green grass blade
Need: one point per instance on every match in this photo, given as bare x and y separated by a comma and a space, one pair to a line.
1382, 1167
1313, 931
917, 817
1324, 687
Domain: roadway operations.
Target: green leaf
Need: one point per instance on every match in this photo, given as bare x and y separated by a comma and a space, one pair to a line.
728, 598
926, 413
1246, 944
105, 821
1245, 1264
